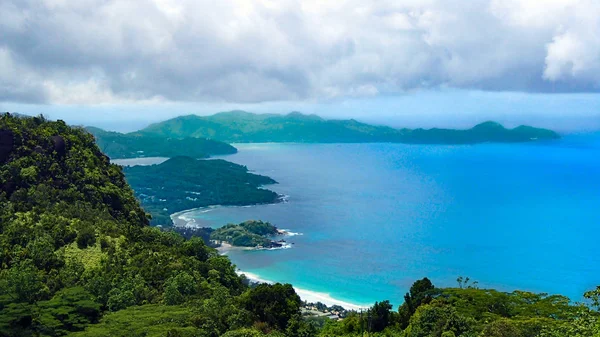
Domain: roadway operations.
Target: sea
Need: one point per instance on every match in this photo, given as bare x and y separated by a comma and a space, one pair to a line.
367, 220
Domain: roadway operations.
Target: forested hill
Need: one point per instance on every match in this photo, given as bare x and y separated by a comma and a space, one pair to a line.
241, 126
77, 258
118, 145
77, 254
183, 183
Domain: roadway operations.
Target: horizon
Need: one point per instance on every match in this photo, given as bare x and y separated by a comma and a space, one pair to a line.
132, 128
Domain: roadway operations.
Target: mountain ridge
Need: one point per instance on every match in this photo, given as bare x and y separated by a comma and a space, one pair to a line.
245, 127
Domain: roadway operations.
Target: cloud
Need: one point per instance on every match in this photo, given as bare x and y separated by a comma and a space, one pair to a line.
114, 51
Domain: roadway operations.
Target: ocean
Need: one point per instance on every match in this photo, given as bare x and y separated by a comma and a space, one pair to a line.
373, 218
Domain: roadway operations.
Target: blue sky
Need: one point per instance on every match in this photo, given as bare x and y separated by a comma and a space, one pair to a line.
124, 64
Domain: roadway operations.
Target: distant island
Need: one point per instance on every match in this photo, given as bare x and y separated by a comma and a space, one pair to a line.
183, 183
252, 233
246, 127
118, 145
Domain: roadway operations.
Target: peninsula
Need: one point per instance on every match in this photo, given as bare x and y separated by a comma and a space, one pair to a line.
119, 146
183, 183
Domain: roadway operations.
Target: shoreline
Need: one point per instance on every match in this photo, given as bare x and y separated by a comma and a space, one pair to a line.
309, 296
225, 248
180, 221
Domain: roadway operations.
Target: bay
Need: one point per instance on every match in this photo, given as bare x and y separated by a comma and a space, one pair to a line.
376, 217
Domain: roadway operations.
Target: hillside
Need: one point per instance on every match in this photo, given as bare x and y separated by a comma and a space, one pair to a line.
195, 183
118, 145
77, 258
76, 251
245, 127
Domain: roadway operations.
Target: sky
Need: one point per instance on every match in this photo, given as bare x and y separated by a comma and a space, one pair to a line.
122, 64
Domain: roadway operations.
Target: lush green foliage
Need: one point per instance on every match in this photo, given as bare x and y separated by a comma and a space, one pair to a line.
247, 234
240, 126
74, 242
195, 183
77, 257
432, 312
118, 145
273, 304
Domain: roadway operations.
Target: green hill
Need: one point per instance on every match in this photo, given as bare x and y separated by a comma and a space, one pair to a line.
118, 145
195, 183
241, 126
76, 251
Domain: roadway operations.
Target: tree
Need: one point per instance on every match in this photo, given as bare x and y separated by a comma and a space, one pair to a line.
120, 299
71, 309
434, 319
86, 237
420, 293
298, 327
594, 297
463, 282
179, 287
22, 283
380, 315
197, 248
274, 304
502, 328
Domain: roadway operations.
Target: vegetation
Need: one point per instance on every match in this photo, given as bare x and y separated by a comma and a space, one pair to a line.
432, 312
118, 145
76, 251
247, 234
78, 258
240, 126
195, 183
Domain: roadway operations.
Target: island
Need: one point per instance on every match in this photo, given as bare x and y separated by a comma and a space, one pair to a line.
183, 183
246, 127
251, 233
120, 146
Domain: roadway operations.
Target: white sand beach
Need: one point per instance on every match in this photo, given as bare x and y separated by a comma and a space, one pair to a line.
310, 296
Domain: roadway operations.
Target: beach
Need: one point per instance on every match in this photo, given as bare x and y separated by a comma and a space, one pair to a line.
309, 296
306, 295
226, 247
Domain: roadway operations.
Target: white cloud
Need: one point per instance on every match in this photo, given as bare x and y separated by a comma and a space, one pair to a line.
574, 53
99, 51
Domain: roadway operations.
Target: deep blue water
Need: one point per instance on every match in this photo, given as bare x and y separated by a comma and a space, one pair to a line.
376, 217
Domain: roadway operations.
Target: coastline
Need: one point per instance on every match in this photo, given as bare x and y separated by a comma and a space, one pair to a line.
308, 295
225, 247
179, 219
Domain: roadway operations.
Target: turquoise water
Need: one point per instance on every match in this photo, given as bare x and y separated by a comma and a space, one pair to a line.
376, 217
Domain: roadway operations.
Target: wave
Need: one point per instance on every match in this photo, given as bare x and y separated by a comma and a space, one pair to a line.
287, 232
209, 209
283, 246
185, 220
309, 295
